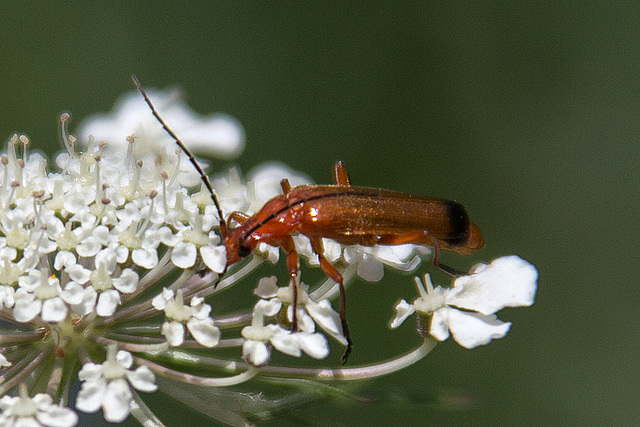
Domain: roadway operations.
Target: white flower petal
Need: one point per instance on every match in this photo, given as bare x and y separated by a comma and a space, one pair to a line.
25, 310
142, 379
127, 282
370, 269
91, 395
183, 255
108, 301
90, 372
89, 298
267, 287
57, 416
287, 343
314, 345
214, 257
54, 310
146, 258
78, 274
403, 310
327, 318
255, 352
72, 293
507, 282
88, 247
473, 329
204, 331
117, 401
125, 358
64, 259
440, 324
173, 332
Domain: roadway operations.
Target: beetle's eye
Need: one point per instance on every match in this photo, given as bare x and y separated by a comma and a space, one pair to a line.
244, 251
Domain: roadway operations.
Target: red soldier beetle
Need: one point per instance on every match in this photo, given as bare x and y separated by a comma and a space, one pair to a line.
349, 215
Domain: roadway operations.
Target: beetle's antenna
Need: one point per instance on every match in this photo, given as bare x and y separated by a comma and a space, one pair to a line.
194, 162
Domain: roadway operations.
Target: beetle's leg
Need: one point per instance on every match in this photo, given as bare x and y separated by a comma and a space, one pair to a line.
341, 175
293, 265
334, 274
286, 186
238, 217
418, 237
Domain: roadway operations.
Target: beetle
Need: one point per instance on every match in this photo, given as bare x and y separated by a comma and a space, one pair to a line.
347, 214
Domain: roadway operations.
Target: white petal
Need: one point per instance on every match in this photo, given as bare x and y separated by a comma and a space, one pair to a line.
125, 358
72, 293
255, 352
473, 329
90, 372
403, 310
159, 302
117, 401
108, 301
88, 247
183, 255
204, 331
440, 323
64, 259
173, 332
89, 298
267, 287
268, 307
54, 310
370, 269
327, 318
507, 282
142, 379
146, 258
78, 274
58, 416
91, 395
127, 282
315, 345
287, 343
26, 310
42, 401
214, 257
200, 310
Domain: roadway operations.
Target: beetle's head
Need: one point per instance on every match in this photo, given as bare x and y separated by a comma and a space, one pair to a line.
237, 246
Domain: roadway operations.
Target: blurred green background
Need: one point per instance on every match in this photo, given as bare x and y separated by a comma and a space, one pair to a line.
529, 114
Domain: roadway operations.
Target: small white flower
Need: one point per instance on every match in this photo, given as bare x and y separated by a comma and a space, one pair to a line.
196, 317
507, 282
107, 385
38, 410
309, 312
258, 335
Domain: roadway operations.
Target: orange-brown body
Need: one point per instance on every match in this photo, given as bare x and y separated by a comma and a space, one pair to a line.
357, 215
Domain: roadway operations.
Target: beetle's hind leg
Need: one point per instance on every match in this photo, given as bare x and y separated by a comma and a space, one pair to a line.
418, 237
334, 274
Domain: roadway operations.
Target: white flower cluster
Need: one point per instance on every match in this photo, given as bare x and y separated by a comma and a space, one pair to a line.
114, 255
73, 242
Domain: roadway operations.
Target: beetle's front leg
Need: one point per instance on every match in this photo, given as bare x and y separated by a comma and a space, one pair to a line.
237, 216
293, 266
334, 274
